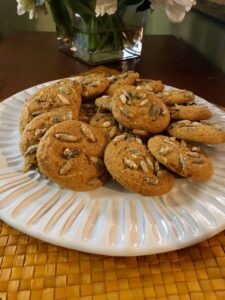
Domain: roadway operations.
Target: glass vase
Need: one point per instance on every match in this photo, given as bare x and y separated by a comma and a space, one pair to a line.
96, 40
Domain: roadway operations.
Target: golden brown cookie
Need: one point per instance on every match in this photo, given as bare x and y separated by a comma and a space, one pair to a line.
102, 70
173, 97
130, 163
135, 108
93, 85
197, 132
106, 123
190, 112
151, 85
35, 130
117, 81
65, 93
182, 159
71, 154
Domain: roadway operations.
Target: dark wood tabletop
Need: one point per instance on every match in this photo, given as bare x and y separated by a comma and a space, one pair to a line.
30, 58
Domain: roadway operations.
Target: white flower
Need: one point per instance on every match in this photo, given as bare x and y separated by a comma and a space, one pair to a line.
175, 9
105, 7
24, 6
33, 7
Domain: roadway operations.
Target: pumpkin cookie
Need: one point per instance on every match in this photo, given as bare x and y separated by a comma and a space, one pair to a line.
35, 130
197, 132
117, 81
173, 97
107, 124
135, 108
93, 85
150, 85
65, 93
102, 70
71, 154
190, 112
182, 159
129, 162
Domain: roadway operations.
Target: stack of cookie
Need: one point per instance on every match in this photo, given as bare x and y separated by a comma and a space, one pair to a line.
79, 131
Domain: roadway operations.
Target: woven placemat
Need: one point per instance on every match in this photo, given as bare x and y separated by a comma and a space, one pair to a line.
33, 269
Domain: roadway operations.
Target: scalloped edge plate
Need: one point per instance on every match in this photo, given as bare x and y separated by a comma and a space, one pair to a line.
109, 220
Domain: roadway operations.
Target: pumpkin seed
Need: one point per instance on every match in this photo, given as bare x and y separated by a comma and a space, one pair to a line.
153, 112
32, 149
70, 153
182, 162
130, 163
63, 99
66, 137
112, 132
66, 167
144, 166
87, 133
198, 160
40, 132
151, 181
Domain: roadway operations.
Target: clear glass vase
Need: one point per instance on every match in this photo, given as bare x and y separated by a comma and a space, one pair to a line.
95, 40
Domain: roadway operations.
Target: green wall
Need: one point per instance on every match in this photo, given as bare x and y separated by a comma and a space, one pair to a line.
203, 33
10, 21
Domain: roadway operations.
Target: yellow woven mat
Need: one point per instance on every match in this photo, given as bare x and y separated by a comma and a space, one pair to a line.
32, 269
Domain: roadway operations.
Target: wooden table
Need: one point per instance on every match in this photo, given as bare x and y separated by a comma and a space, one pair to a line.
32, 269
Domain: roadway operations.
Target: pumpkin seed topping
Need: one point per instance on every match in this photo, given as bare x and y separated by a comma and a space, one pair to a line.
40, 132
87, 133
130, 163
152, 181
182, 162
66, 137
66, 167
32, 149
71, 153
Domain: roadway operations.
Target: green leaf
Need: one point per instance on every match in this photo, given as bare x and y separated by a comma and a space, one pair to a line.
61, 17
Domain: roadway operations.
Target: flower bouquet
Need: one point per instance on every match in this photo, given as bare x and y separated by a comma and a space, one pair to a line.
98, 31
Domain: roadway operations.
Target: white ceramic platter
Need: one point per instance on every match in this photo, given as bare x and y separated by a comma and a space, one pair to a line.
109, 220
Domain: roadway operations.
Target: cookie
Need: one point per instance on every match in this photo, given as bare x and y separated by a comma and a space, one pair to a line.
135, 108
106, 123
117, 81
71, 154
150, 85
105, 102
197, 132
190, 112
173, 97
182, 159
102, 70
93, 85
65, 93
35, 130
129, 162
